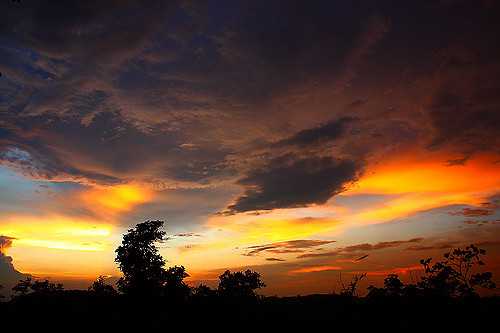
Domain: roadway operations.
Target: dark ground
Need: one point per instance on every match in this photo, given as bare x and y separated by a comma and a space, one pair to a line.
79, 310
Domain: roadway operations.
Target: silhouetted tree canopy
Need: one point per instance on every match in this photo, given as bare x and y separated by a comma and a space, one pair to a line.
139, 260
239, 284
455, 276
101, 288
202, 290
174, 286
43, 287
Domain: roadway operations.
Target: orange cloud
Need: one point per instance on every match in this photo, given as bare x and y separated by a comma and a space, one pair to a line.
110, 200
314, 269
399, 271
420, 182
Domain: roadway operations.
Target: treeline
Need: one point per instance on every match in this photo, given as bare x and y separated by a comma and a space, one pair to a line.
151, 296
145, 275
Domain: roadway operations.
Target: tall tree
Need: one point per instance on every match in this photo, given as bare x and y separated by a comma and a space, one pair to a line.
139, 260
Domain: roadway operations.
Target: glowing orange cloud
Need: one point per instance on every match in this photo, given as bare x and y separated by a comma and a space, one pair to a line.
115, 199
416, 173
419, 184
314, 269
398, 270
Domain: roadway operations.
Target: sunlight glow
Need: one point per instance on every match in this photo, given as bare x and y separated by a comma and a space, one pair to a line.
116, 199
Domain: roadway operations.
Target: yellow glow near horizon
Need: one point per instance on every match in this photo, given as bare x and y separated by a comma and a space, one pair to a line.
56, 232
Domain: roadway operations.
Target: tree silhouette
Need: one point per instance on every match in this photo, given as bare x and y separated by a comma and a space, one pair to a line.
393, 287
351, 289
101, 288
202, 290
239, 284
175, 287
454, 276
30, 286
139, 260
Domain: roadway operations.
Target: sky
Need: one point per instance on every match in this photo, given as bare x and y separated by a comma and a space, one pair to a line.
307, 140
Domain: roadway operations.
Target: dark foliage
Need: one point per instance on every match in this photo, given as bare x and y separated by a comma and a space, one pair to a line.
100, 288
37, 287
175, 288
139, 260
444, 291
453, 277
351, 289
239, 284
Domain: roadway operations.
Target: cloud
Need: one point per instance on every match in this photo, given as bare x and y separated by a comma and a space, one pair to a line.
105, 149
465, 116
275, 259
473, 212
5, 243
329, 131
481, 222
8, 274
364, 247
187, 234
92, 31
435, 246
287, 182
315, 269
287, 246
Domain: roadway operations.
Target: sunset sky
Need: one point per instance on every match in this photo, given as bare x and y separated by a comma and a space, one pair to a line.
307, 140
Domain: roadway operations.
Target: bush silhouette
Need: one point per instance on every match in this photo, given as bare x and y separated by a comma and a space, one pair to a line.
100, 288
36, 287
239, 284
174, 287
202, 290
393, 287
455, 275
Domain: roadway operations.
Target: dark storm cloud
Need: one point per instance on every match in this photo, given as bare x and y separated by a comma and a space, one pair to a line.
92, 30
287, 181
169, 91
51, 146
286, 247
92, 141
329, 131
364, 247
470, 121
